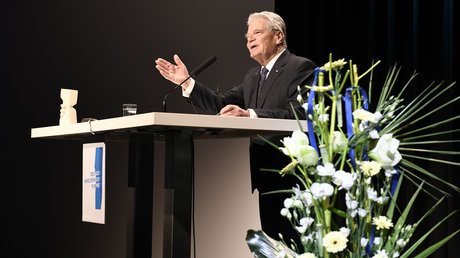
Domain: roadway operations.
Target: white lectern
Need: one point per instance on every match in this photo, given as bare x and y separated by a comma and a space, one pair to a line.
178, 131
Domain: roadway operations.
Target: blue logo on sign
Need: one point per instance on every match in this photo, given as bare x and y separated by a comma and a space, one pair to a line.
98, 173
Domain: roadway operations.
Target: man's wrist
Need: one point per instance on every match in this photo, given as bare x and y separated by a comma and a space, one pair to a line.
187, 91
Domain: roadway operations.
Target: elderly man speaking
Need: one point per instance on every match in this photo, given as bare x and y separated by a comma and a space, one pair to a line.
266, 91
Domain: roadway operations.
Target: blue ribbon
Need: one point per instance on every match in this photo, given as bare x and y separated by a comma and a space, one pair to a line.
349, 117
310, 109
98, 171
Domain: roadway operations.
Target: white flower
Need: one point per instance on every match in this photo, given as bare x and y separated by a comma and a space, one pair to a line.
364, 115
305, 239
370, 168
304, 224
288, 203
339, 141
374, 134
343, 179
286, 213
334, 65
293, 143
377, 240
323, 117
371, 194
364, 241
305, 106
306, 221
401, 242
307, 198
321, 190
390, 172
396, 254
326, 170
362, 212
386, 151
381, 200
381, 254
307, 156
382, 222
345, 231
307, 255
301, 229
299, 98
298, 204
335, 241
351, 204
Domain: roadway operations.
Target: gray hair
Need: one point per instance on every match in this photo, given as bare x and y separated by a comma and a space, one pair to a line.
275, 22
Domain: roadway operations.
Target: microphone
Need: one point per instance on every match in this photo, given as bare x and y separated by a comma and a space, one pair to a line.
194, 72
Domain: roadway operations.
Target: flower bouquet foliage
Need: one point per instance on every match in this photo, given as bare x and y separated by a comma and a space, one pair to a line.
351, 156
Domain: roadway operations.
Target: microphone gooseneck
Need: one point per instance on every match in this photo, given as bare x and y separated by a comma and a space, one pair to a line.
194, 72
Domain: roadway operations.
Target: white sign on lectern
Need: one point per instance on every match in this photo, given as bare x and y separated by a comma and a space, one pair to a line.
93, 183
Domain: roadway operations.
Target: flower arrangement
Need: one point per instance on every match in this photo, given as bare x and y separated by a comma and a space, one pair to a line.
355, 156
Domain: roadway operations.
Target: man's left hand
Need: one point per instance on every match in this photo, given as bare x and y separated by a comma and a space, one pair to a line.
234, 110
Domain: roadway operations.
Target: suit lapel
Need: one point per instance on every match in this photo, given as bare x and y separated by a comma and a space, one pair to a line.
276, 71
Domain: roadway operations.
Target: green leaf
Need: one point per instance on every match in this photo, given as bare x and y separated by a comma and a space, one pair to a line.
421, 239
429, 151
405, 162
402, 219
407, 139
436, 246
431, 159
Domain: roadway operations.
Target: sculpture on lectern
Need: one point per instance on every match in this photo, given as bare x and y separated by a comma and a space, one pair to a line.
68, 113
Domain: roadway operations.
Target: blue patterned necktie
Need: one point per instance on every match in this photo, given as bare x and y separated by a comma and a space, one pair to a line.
263, 77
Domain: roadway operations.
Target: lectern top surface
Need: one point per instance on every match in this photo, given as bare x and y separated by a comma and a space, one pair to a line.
157, 122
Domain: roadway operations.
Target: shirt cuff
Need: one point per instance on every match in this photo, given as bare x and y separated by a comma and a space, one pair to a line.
252, 113
186, 93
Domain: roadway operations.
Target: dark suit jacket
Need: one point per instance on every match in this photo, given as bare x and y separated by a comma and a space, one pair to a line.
279, 91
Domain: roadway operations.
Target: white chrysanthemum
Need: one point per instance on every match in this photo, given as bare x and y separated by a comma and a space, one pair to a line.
334, 65
335, 241
382, 222
370, 168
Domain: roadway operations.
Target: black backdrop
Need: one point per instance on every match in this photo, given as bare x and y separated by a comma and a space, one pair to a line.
106, 49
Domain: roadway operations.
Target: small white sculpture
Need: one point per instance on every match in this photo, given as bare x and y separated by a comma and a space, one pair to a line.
68, 113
